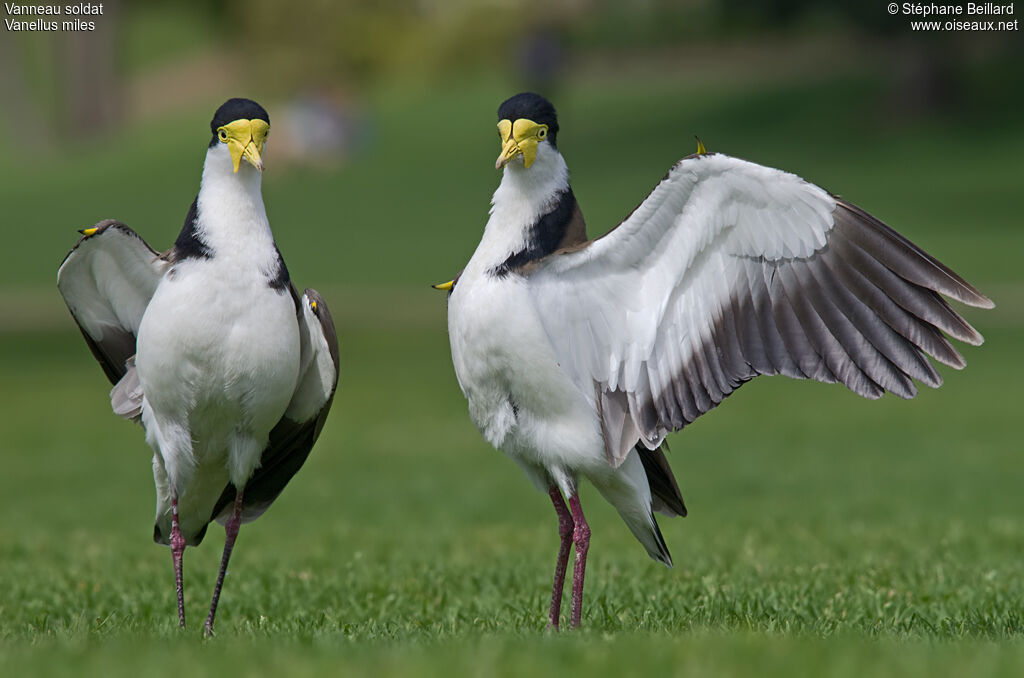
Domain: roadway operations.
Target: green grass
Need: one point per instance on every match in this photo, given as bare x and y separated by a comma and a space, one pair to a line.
828, 535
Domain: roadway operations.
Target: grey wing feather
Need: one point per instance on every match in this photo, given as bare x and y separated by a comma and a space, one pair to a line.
126, 396
841, 314
107, 281
730, 270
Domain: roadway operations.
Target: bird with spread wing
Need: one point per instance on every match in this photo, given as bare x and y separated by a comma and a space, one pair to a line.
230, 371
578, 356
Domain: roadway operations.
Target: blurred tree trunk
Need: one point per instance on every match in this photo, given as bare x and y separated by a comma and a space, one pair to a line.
91, 96
20, 108
924, 77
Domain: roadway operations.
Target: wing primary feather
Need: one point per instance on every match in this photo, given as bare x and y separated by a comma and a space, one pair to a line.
658, 401
900, 352
667, 410
904, 257
715, 381
673, 412
701, 399
820, 337
920, 333
798, 346
768, 321
684, 398
921, 302
727, 337
713, 351
861, 352
703, 382
709, 380
745, 319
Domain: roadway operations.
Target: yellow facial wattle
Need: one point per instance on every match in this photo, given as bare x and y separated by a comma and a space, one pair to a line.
519, 138
245, 138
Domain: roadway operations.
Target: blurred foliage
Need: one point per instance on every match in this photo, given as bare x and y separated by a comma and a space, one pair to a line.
308, 42
925, 66
647, 24
156, 33
162, 52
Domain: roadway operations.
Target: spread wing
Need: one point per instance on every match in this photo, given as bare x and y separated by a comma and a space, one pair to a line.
292, 439
107, 281
729, 270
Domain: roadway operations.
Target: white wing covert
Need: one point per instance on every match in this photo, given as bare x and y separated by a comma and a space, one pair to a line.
107, 281
729, 270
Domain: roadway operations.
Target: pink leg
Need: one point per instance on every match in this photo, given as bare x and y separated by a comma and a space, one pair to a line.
177, 553
565, 529
230, 533
581, 539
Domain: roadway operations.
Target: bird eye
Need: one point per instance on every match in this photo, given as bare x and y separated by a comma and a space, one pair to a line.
222, 134
542, 132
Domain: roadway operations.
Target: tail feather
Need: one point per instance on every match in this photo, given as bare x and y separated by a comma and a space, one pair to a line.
626, 488
663, 555
665, 495
645, 528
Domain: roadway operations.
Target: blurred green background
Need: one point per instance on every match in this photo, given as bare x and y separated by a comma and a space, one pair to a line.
827, 536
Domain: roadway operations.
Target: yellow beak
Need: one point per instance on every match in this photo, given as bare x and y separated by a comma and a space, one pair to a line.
444, 287
519, 139
245, 139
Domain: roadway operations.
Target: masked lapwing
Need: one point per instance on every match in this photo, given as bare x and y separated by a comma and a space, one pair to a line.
578, 356
229, 370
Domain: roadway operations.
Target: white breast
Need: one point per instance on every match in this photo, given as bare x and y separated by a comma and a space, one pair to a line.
213, 343
519, 397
